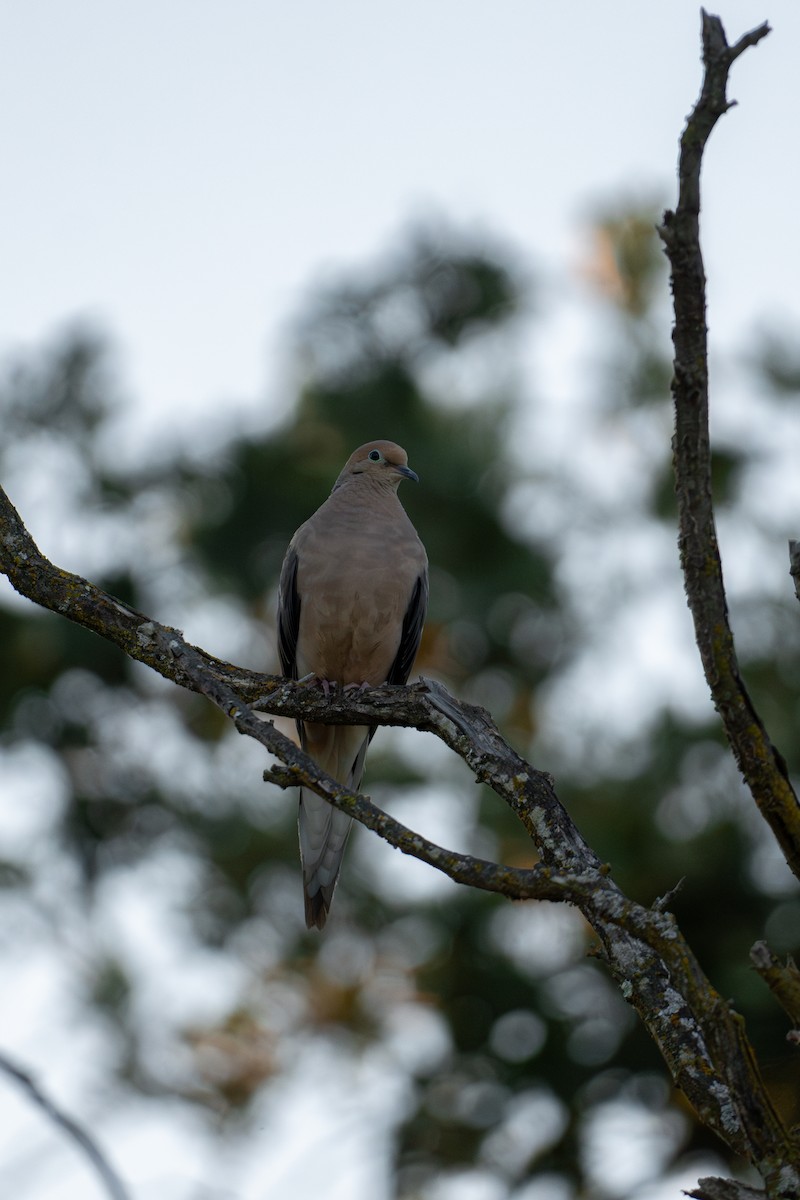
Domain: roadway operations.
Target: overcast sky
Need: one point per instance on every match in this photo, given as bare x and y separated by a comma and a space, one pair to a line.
183, 172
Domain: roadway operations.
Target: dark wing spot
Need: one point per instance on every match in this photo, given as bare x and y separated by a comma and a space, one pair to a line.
288, 616
412, 632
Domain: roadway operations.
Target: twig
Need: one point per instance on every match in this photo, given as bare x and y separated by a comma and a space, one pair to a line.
712, 1188
88, 1145
794, 565
761, 765
662, 903
783, 979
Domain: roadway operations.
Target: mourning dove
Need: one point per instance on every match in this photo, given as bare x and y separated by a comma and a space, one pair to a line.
351, 605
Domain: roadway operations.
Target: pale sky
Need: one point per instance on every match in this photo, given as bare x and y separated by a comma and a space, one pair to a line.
183, 172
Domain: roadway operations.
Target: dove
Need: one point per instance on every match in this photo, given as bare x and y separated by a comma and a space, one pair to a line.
352, 600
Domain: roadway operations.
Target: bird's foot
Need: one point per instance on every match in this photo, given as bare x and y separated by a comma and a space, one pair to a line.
357, 687
327, 685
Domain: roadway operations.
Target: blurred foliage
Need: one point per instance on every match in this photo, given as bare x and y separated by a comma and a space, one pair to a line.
535, 1045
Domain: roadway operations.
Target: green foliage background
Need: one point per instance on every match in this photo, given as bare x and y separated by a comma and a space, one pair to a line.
554, 588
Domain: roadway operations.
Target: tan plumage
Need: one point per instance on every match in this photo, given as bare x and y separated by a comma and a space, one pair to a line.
352, 601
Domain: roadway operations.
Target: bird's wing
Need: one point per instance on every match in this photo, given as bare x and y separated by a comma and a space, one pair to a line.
288, 615
411, 633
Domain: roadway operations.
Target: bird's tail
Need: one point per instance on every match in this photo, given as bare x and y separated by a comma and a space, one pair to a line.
339, 750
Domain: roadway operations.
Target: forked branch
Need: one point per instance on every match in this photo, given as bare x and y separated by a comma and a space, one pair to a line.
707, 1051
760, 763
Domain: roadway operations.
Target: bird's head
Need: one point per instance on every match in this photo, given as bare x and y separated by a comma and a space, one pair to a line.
383, 463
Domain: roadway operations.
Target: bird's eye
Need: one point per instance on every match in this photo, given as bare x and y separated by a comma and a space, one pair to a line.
374, 456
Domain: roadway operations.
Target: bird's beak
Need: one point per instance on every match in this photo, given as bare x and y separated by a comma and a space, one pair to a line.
407, 473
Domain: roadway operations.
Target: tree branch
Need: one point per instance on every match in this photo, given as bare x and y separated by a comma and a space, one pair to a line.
712, 1188
794, 565
111, 1181
783, 980
761, 765
700, 1036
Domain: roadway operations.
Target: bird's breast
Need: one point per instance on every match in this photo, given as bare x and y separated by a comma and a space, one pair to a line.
352, 606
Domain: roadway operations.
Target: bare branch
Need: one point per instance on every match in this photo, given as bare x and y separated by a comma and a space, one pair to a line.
706, 1050
761, 765
712, 1188
783, 979
794, 565
111, 1181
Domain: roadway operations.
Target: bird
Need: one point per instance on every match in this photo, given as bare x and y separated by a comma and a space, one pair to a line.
352, 600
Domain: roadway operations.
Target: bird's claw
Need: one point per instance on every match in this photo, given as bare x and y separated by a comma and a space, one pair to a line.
312, 680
